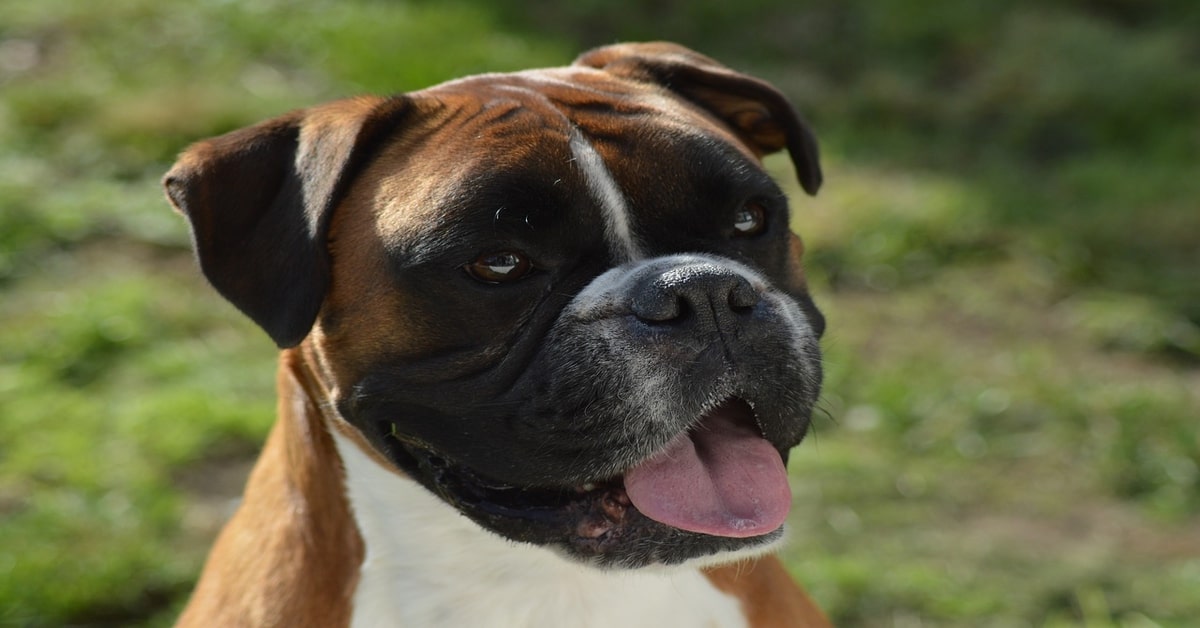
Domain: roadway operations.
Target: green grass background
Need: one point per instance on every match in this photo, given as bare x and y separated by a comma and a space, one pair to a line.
1007, 247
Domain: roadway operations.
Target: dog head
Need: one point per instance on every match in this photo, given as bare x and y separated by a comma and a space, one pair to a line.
565, 301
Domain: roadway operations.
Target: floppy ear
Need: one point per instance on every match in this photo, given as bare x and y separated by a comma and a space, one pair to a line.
757, 112
259, 200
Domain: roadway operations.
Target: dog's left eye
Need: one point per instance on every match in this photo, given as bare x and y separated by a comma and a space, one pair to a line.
750, 220
500, 267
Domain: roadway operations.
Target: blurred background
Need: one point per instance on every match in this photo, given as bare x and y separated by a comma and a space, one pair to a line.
1007, 248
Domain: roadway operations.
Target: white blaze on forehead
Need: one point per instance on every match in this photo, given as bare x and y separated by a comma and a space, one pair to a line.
617, 229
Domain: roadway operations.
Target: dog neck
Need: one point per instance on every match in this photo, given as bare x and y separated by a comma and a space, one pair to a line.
290, 555
427, 565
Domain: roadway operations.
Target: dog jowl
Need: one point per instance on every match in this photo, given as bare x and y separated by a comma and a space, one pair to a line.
566, 302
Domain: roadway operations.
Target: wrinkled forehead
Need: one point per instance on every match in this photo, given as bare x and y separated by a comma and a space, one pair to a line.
518, 151
573, 92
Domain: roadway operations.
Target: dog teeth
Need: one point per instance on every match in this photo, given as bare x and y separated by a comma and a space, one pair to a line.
590, 486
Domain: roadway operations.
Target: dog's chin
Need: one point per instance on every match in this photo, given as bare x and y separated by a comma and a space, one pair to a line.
595, 523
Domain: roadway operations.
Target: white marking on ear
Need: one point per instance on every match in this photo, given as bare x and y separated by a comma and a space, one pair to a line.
604, 189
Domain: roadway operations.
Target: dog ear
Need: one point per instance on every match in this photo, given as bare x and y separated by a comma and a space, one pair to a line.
757, 112
259, 201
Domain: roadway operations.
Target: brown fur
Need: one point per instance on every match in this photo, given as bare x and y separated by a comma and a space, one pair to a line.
769, 597
290, 555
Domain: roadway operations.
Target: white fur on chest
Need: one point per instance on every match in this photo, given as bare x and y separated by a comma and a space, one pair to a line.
427, 566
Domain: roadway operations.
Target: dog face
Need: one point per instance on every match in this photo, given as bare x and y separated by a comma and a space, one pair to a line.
565, 301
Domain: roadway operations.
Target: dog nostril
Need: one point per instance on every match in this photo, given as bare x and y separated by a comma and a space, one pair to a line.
742, 296
658, 306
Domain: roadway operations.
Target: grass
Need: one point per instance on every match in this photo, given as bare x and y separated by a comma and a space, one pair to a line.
990, 455
1006, 249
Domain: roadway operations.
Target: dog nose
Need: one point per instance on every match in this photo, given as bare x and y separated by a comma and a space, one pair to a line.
711, 293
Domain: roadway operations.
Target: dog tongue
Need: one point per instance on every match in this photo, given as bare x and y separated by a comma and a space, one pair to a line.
721, 478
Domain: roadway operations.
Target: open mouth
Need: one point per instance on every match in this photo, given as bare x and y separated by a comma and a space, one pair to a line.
717, 486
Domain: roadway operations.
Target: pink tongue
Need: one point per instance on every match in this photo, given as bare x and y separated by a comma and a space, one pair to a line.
721, 478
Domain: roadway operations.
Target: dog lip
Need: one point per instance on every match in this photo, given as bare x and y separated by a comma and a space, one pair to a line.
459, 484
594, 521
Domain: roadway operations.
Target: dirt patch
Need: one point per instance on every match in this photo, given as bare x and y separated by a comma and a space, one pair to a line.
213, 490
1085, 529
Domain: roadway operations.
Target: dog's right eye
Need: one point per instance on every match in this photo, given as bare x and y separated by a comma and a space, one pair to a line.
499, 267
750, 220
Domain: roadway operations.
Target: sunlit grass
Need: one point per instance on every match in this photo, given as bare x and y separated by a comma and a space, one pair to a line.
980, 432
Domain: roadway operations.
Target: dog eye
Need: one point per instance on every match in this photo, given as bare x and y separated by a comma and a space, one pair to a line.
500, 267
750, 220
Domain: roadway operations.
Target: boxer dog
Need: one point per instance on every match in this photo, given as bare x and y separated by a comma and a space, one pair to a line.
546, 344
